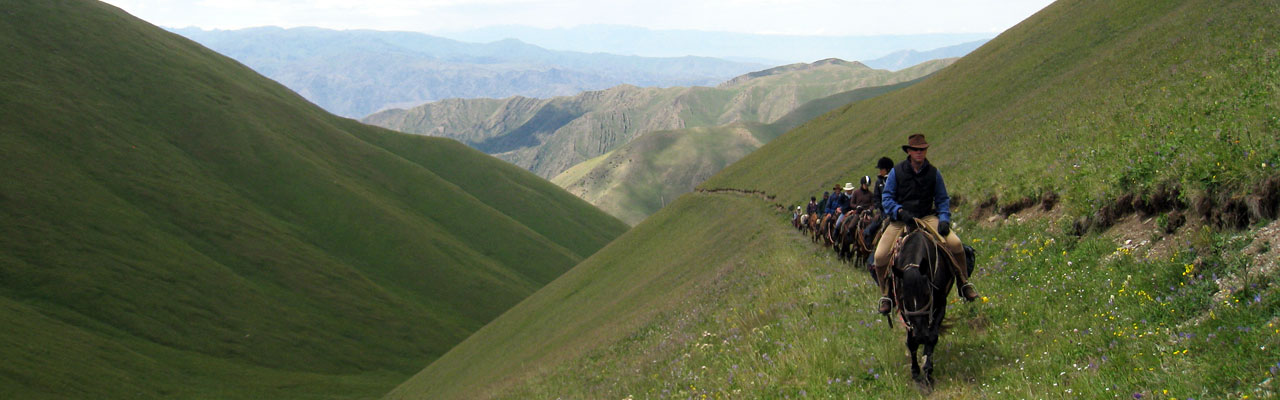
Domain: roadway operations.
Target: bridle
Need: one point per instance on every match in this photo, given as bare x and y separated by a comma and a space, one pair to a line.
928, 308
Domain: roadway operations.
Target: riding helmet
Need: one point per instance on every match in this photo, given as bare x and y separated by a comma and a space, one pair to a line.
884, 163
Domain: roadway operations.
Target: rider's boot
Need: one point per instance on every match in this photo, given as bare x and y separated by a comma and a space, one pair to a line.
885, 303
967, 291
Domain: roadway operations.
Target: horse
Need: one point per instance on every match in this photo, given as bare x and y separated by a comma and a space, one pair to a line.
864, 245
846, 234
813, 227
922, 281
828, 229
826, 225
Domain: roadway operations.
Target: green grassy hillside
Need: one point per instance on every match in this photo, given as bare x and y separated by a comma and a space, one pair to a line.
1087, 103
175, 225
640, 177
549, 136
1061, 104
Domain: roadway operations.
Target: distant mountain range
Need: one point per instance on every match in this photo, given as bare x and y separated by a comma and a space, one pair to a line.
355, 73
768, 49
906, 58
549, 136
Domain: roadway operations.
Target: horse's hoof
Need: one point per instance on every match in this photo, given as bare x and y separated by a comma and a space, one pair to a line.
925, 388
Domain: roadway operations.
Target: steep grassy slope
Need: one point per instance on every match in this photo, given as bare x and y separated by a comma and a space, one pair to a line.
640, 177
549, 136
1121, 313
174, 225
355, 73
1108, 101
611, 295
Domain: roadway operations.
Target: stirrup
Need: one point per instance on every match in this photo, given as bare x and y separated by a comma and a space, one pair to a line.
970, 286
885, 306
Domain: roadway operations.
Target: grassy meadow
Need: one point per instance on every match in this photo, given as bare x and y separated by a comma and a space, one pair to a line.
1146, 128
1061, 317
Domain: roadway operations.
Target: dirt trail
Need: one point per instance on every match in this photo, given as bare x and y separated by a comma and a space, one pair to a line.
760, 194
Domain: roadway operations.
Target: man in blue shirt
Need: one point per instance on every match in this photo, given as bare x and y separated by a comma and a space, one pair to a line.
914, 189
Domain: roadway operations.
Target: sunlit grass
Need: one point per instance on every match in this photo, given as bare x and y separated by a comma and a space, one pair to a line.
1060, 317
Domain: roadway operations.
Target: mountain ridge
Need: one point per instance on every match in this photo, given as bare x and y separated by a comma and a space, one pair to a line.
355, 73
549, 136
765, 48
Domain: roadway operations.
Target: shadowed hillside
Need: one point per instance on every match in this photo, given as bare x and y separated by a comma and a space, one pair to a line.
173, 225
1092, 289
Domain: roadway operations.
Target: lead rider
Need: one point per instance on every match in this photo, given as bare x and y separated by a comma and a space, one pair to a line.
914, 189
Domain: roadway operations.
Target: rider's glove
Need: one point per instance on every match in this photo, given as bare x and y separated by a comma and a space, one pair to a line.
906, 216
944, 228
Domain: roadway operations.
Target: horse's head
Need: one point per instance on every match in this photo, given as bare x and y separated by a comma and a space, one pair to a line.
919, 301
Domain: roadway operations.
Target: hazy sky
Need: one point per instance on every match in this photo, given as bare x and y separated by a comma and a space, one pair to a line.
801, 17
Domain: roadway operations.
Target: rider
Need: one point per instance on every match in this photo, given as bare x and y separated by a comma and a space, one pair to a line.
812, 208
914, 189
844, 207
837, 201
862, 198
822, 205
884, 165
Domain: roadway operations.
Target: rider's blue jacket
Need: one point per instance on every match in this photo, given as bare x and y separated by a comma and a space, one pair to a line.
838, 200
894, 196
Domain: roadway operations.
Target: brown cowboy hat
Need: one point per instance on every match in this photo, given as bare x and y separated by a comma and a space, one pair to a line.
916, 141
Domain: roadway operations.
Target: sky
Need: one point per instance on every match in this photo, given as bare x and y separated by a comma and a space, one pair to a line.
790, 17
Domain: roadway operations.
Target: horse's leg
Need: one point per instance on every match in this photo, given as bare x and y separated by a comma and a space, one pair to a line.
915, 365
928, 362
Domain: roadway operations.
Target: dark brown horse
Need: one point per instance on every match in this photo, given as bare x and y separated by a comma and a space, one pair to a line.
827, 228
852, 244
922, 281
866, 242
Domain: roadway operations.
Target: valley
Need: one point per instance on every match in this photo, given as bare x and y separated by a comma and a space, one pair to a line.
176, 224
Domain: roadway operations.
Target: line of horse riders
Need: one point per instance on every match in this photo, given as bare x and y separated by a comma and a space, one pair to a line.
908, 195
902, 229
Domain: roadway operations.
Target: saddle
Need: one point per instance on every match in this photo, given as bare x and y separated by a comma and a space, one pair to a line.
930, 232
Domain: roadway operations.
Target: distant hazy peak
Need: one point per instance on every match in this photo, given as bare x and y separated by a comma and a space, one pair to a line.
836, 62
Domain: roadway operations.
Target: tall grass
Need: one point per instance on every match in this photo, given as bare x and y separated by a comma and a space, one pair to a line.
1061, 316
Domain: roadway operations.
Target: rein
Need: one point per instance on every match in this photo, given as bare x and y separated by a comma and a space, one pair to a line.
859, 236
928, 308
